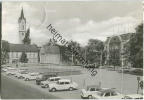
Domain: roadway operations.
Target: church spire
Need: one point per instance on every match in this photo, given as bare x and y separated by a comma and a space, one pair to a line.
22, 14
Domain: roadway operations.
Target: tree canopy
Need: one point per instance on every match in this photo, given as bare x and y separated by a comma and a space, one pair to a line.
136, 48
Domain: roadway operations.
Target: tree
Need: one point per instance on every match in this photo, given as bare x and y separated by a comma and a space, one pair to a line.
27, 39
24, 58
94, 51
4, 52
136, 47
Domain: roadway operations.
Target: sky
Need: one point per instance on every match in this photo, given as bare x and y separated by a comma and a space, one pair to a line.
78, 21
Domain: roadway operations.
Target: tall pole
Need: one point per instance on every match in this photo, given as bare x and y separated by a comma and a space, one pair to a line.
85, 54
101, 59
72, 57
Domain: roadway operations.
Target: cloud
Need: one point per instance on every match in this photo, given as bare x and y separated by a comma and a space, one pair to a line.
69, 20
81, 32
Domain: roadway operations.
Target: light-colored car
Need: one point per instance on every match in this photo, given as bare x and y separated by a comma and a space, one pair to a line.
63, 84
31, 76
133, 96
21, 74
11, 71
4, 69
91, 89
107, 94
46, 83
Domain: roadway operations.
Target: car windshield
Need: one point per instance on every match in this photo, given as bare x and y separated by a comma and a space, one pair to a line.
92, 89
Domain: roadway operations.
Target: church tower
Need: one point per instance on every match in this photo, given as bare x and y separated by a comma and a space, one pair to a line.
22, 26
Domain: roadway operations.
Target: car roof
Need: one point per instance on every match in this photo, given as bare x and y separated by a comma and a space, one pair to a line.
107, 90
11, 68
33, 73
64, 80
93, 86
54, 77
49, 73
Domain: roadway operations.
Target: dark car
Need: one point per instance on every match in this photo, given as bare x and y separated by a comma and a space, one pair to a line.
44, 77
91, 66
136, 71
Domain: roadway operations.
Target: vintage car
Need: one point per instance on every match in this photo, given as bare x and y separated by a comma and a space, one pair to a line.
44, 77
63, 84
124, 70
136, 71
133, 96
31, 76
4, 69
11, 71
21, 74
107, 94
91, 89
46, 83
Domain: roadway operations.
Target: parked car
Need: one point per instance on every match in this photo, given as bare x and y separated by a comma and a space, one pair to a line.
4, 69
11, 71
136, 71
124, 70
107, 94
63, 84
91, 66
21, 74
91, 89
111, 68
134, 96
44, 77
46, 83
31, 76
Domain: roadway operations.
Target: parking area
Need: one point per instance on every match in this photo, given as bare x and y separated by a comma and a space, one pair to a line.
123, 83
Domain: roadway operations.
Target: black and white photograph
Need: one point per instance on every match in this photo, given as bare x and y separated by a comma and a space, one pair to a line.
72, 49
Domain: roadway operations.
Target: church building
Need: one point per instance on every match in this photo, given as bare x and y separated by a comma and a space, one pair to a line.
24, 46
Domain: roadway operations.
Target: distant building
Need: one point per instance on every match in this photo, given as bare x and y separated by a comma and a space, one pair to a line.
15, 52
50, 53
116, 50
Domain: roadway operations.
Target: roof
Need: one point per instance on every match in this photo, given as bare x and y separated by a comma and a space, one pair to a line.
64, 80
107, 90
50, 50
22, 48
22, 15
54, 77
93, 86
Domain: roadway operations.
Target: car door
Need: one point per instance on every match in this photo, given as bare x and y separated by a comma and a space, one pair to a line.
60, 86
67, 85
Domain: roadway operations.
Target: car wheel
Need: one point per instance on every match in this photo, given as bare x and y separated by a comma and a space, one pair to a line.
46, 85
27, 79
53, 89
89, 97
70, 88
